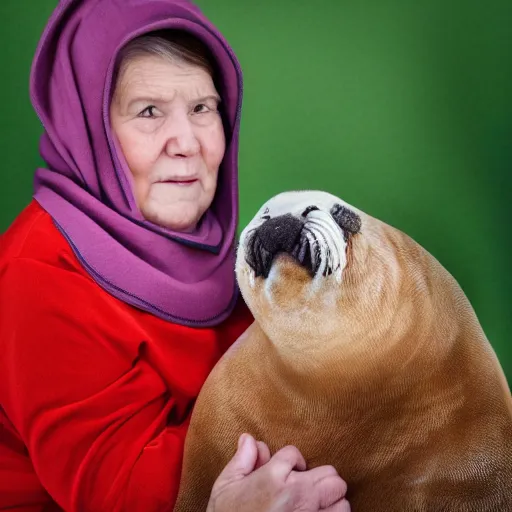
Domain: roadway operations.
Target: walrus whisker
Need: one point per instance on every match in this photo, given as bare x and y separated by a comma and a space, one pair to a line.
315, 249
255, 254
266, 258
323, 223
302, 249
306, 254
325, 250
249, 253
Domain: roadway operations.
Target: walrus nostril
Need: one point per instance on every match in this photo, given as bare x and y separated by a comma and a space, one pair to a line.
280, 233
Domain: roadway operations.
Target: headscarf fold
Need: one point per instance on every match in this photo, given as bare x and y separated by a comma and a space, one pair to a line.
187, 278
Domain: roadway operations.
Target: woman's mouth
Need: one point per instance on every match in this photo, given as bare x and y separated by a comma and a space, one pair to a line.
181, 182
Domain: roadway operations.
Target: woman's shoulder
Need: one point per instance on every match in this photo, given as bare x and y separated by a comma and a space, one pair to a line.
34, 236
34, 254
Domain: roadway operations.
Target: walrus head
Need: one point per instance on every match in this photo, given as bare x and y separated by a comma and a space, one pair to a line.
311, 237
311, 266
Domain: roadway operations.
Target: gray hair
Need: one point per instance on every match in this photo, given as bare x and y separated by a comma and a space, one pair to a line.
175, 46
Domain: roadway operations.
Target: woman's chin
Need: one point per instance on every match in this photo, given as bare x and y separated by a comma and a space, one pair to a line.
182, 216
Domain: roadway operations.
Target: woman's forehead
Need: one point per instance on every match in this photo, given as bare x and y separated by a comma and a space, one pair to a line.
155, 75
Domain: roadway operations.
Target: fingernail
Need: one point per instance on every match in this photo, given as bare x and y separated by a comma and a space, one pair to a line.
241, 440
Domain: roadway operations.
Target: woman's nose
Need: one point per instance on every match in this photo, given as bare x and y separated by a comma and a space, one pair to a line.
181, 140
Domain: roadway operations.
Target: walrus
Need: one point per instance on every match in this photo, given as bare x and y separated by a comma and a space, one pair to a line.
366, 355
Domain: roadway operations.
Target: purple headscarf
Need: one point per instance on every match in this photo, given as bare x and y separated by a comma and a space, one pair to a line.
185, 278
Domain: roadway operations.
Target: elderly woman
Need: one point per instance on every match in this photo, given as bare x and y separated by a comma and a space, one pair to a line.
117, 289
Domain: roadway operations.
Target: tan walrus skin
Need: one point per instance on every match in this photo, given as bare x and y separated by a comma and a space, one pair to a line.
376, 364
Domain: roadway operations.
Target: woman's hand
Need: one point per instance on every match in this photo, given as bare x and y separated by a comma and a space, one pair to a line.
253, 481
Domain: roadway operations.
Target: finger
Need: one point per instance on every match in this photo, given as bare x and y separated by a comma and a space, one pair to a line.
330, 489
243, 461
286, 460
321, 472
341, 506
263, 454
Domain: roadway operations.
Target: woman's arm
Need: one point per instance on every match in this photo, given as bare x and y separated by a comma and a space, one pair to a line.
87, 404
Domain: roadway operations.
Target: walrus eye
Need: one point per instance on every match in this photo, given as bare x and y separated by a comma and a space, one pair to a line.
346, 219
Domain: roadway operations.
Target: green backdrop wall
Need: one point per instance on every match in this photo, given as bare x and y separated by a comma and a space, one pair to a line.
401, 108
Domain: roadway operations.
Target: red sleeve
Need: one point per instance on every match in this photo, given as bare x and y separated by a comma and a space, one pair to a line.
90, 409
20, 490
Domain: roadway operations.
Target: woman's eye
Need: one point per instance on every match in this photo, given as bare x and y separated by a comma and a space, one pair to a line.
200, 108
148, 112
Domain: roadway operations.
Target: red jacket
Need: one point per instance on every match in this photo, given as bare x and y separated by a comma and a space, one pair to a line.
95, 395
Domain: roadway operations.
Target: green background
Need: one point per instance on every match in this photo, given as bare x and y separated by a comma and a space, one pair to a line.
402, 108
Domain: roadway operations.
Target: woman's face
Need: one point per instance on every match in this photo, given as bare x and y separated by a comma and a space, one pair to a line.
166, 119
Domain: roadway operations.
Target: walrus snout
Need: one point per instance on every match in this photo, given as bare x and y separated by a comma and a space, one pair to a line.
281, 234
314, 228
